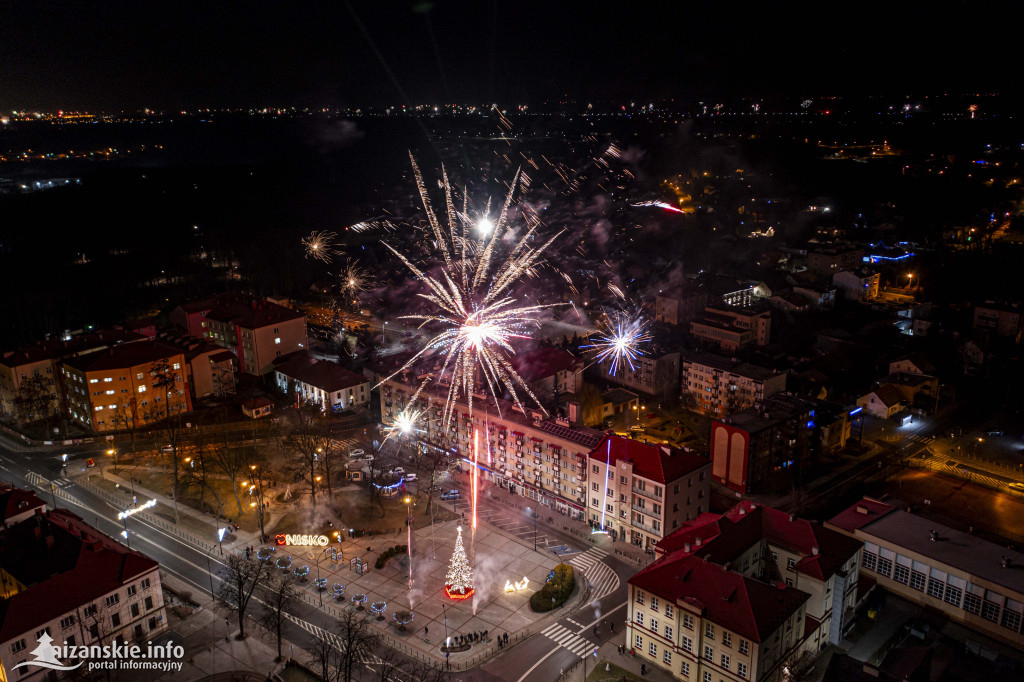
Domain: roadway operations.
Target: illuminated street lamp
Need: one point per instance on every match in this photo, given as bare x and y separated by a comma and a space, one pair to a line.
113, 452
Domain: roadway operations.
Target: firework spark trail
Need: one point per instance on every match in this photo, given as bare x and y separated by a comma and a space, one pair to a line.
405, 423
657, 204
470, 298
620, 341
320, 245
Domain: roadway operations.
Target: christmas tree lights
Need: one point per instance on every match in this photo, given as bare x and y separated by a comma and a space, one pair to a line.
458, 584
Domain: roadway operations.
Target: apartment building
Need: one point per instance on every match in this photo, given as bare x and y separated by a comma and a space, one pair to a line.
255, 330
857, 285
732, 328
654, 374
323, 383
825, 261
549, 371
63, 578
140, 382
679, 305
742, 595
765, 446
970, 581
544, 459
211, 370
718, 386
31, 370
1000, 318
640, 492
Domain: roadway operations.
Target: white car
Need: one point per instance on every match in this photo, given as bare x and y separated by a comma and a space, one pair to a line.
410, 477
398, 470
356, 453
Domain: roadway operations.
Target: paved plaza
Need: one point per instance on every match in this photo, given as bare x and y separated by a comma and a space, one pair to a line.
495, 558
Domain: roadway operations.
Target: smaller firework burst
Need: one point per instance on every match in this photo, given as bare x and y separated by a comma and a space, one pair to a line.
352, 280
620, 340
320, 245
405, 424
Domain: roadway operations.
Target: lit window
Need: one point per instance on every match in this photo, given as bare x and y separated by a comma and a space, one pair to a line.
142, 389
277, 339
111, 392
99, 407
93, 381
177, 365
108, 378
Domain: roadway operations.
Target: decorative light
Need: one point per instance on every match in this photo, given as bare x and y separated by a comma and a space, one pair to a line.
458, 584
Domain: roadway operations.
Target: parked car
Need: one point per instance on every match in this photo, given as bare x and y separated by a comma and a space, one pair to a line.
398, 471
166, 448
994, 432
410, 477
355, 454
450, 495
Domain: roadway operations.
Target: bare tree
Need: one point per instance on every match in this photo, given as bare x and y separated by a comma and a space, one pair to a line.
240, 578
307, 440
35, 399
278, 596
355, 640
256, 465
230, 459
424, 672
164, 380
325, 655
387, 662
126, 418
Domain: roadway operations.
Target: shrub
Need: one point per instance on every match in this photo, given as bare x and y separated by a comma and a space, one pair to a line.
387, 554
559, 588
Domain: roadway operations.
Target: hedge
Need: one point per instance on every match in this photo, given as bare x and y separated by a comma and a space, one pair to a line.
559, 587
387, 554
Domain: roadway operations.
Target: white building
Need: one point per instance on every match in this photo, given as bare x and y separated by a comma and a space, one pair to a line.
323, 383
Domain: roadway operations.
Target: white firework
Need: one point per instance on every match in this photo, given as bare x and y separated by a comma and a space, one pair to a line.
471, 299
620, 341
320, 245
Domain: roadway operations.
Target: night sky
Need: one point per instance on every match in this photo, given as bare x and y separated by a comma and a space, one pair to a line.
127, 55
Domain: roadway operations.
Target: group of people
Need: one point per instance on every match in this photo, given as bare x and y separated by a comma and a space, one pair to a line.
471, 638
503, 640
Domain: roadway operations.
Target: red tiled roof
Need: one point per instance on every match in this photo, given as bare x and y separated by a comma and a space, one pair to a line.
542, 362
748, 607
649, 461
866, 511
81, 566
889, 395
722, 538
245, 310
14, 501
124, 356
325, 375
79, 343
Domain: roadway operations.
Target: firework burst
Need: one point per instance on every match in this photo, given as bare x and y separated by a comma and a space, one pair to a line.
471, 299
353, 279
620, 340
320, 245
405, 424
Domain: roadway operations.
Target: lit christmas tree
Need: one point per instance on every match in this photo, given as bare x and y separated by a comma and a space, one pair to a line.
459, 581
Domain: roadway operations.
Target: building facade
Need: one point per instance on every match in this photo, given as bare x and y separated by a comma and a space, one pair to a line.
742, 595
857, 285
971, 581
323, 383
126, 386
641, 492
731, 328
717, 386
655, 375
680, 305
62, 578
763, 447
255, 330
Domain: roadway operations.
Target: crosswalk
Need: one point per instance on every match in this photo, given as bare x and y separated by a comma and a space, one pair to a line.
603, 580
567, 639
918, 438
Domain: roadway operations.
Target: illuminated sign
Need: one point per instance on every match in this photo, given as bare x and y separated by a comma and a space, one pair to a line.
516, 586
302, 540
135, 510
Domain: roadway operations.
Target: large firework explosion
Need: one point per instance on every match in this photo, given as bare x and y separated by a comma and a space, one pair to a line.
471, 299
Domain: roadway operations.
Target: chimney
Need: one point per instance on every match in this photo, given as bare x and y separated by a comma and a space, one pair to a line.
861, 509
792, 518
743, 510
686, 547
934, 535
1005, 562
814, 551
666, 449
698, 542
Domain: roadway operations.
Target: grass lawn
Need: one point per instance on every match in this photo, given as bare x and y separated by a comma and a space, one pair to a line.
614, 674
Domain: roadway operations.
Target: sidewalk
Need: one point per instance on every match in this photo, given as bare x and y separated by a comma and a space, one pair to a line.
608, 653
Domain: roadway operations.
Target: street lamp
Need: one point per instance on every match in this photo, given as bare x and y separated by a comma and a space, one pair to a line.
534, 515
910, 279
113, 451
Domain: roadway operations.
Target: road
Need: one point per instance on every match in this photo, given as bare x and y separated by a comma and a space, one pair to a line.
540, 657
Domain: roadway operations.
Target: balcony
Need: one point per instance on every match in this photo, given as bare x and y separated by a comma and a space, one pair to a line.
645, 528
644, 510
648, 494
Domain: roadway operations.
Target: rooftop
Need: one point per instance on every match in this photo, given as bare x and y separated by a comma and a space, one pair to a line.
242, 309
774, 410
743, 369
954, 548
542, 362
724, 537
76, 345
888, 394
323, 374
63, 563
124, 356
14, 501
748, 607
656, 463
619, 396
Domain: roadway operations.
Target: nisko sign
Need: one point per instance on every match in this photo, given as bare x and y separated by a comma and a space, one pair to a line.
303, 540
